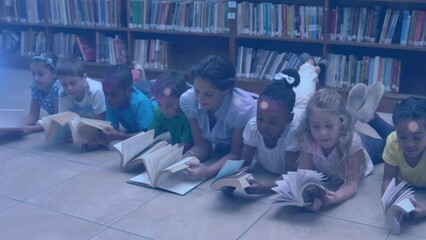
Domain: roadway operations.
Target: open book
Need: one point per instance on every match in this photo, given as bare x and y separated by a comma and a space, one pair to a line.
231, 175
164, 170
134, 149
396, 203
10, 120
59, 126
298, 188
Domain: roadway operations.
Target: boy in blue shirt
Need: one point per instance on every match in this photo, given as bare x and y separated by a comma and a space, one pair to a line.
125, 104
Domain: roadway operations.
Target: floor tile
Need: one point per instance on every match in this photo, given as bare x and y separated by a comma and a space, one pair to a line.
73, 152
6, 153
29, 222
112, 234
297, 223
97, 195
404, 236
6, 202
365, 207
198, 215
28, 174
377, 173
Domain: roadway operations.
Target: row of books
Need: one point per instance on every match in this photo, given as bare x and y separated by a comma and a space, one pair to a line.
355, 24
413, 28
151, 53
103, 49
386, 26
103, 13
24, 11
264, 64
270, 19
346, 71
26, 43
187, 16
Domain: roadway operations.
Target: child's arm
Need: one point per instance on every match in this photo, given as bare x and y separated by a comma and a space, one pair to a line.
33, 115
257, 187
350, 187
388, 173
247, 154
100, 116
200, 170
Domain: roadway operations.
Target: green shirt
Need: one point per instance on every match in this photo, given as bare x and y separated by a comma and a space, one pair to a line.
178, 126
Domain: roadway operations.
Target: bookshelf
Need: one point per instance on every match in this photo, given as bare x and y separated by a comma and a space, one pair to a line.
183, 32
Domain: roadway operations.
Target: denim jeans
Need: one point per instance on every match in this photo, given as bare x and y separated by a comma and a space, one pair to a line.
375, 146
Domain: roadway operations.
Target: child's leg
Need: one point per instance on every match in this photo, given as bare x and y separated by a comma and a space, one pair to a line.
382, 127
374, 147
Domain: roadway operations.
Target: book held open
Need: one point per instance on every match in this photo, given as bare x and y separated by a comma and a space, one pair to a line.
231, 175
298, 188
396, 203
82, 130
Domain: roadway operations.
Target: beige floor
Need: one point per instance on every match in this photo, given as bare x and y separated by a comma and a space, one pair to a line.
59, 191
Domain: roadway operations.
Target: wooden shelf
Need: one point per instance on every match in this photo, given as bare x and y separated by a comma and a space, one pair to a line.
281, 39
376, 45
12, 24
172, 32
84, 27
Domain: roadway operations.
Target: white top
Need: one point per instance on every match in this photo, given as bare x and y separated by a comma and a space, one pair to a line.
93, 102
272, 159
326, 164
237, 108
307, 85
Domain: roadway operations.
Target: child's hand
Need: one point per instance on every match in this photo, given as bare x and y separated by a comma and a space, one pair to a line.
197, 170
256, 187
315, 206
110, 134
329, 197
419, 211
326, 197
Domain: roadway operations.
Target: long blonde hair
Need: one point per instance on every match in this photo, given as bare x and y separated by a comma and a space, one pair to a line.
330, 101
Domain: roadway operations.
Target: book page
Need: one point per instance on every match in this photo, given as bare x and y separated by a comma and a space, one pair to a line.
230, 167
151, 161
182, 164
132, 146
296, 187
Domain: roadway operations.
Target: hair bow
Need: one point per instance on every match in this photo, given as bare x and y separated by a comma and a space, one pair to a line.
281, 76
43, 57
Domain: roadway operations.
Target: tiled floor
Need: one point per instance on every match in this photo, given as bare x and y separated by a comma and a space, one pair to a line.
59, 191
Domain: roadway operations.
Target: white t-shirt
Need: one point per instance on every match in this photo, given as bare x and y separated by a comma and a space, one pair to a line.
93, 102
327, 164
272, 159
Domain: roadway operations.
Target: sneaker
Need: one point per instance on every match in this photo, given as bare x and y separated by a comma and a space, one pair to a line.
356, 98
374, 95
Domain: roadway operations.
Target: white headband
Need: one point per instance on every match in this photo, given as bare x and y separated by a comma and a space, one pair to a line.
281, 76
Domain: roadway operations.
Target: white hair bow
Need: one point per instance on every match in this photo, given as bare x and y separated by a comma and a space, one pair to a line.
281, 76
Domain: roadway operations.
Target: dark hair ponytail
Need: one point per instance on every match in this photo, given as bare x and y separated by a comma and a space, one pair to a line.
281, 89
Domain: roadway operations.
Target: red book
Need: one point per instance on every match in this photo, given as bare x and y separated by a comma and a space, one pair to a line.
87, 48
